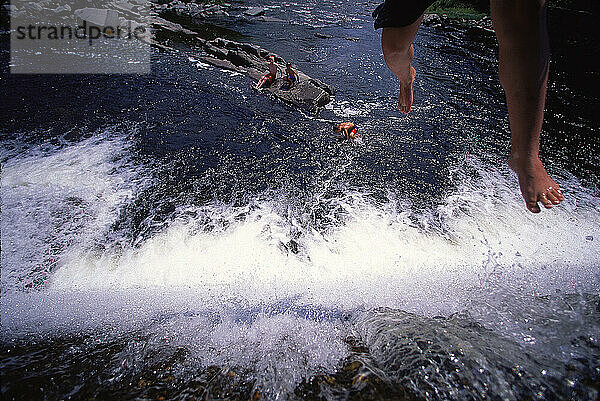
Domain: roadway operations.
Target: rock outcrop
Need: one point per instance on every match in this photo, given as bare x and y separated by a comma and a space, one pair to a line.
309, 94
255, 11
193, 10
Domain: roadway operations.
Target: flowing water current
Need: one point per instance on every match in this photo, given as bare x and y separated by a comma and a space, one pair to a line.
180, 235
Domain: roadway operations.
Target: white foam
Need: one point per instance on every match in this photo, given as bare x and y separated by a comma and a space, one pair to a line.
371, 255
54, 201
200, 64
356, 108
209, 289
278, 350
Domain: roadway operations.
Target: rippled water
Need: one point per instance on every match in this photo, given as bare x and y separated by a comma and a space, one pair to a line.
180, 235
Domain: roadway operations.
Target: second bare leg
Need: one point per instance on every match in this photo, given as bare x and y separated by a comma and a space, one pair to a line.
523, 64
398, 52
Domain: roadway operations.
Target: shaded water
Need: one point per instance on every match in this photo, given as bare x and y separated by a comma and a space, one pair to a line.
180, 235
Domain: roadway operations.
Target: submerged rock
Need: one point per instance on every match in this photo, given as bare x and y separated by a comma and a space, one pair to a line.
62, 9
11, 8
98, 16
309, 93
34, 6
265, 18
255, 11
194, 10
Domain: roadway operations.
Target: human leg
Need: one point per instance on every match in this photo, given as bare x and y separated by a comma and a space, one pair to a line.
398, 52
260, 82
523, 67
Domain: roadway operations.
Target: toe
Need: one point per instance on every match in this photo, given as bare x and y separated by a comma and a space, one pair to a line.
533, 206
552, 197
544, 199
558, 193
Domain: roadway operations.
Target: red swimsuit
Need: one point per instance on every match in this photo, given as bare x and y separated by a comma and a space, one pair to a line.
270, 78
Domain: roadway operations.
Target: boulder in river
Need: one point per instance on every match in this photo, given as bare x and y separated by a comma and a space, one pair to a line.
11, 8
255, 11
98, 16
34, 6
309, 94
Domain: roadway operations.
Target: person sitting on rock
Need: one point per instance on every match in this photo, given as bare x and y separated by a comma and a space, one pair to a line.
291, 76
270, 77
349, 130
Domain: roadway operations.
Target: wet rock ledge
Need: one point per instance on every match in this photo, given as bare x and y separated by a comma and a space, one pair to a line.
309, 94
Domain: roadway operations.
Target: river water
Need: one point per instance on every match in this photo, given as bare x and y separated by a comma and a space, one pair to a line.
180, 235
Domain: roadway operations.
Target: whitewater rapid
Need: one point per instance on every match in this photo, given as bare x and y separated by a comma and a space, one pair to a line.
264, 287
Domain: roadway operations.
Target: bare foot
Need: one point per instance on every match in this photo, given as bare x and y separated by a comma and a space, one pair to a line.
399, 62
536, 185
405, 98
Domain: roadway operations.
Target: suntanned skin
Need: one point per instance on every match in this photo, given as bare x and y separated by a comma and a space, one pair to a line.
523, 67
398, 52
272, 70
272, 67
346, 128
524, 57
289, 71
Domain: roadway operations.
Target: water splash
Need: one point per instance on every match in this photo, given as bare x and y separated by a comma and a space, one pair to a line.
242, 286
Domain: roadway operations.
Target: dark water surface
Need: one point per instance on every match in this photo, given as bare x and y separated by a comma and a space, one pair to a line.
181, 235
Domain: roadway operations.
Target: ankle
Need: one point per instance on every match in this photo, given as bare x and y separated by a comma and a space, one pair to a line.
522, 162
